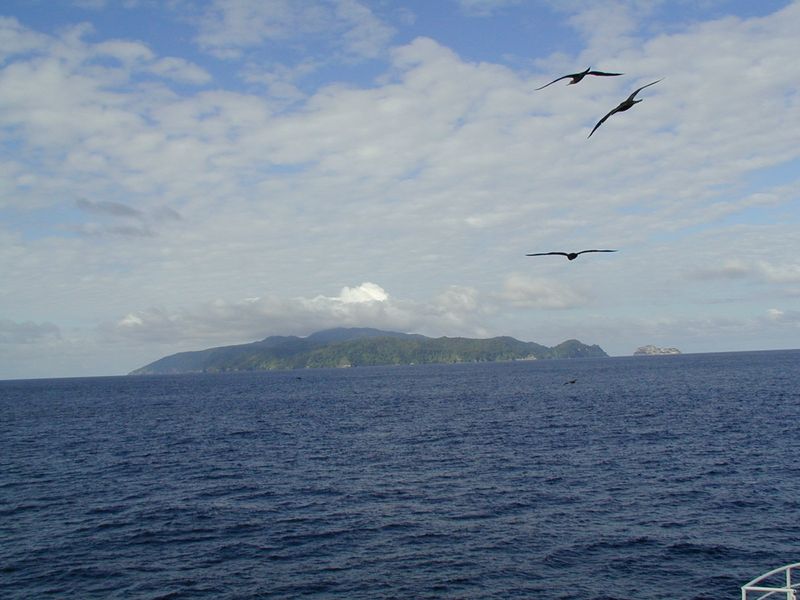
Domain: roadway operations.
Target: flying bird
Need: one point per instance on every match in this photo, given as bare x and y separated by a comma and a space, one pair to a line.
576, 77
624, 105
569, 255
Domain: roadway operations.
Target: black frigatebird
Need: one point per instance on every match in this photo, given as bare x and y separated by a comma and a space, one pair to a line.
624, 105
569, 255
576, 77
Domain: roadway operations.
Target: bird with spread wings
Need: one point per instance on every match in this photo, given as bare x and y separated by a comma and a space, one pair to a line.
576, 77
624, 105
569, 255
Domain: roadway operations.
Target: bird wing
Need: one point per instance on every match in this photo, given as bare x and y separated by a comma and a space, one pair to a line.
547, 254
584, 251
604, 74
631, 97
554, 80
603, 120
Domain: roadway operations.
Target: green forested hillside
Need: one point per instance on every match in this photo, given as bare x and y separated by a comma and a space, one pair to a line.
360, 347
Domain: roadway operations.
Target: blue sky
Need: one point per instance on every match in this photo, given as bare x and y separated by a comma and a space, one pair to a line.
179, 175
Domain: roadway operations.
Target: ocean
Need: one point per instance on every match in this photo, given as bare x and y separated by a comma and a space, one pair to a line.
665, 477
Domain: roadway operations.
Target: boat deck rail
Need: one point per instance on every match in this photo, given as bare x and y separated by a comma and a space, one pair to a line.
779, 584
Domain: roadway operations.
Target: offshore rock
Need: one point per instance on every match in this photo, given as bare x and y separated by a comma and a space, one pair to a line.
651, 350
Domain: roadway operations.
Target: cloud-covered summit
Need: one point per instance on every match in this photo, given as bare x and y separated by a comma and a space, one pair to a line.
365, 305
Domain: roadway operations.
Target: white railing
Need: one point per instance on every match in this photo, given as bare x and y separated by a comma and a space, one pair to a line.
777, 584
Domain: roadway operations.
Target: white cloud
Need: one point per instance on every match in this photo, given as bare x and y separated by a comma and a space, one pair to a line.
90, 4
124, 51
784, 317
106, 207
786, 273
178, 69
138, 57
230, 26
134, 222
27, 332
367, 304
483, 8
538, 292
281, 81
751, 269
608, 25
365, 35
16, 39
459, 300
366, 292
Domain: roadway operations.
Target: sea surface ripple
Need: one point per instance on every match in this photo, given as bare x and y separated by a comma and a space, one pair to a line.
648, 477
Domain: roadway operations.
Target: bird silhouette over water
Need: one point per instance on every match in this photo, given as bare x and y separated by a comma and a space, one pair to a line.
576, 77
569, 255
623, 106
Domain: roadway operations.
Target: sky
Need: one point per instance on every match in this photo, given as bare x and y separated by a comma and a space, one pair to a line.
185, 174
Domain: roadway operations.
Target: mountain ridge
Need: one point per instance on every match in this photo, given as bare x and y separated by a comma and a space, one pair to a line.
359, 346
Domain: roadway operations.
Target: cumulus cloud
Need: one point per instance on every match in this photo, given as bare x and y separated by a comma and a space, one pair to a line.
101, 230
608, 25
786, 273
366, 292
140, 58
365, 305
750, 269
530, 292
784, 317
281, 81
124, 51
482, 8
15, 39
67, 109
106, 207
137, 223
72, 51
27, 332
365, 35
230, 26
90, 4
178, 69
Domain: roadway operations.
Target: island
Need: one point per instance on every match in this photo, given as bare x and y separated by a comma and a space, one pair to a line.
651, 350
356, 347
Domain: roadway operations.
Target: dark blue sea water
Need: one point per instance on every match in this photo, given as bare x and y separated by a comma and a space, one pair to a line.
649, 477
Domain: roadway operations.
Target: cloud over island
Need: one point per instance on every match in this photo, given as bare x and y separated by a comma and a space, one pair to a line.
365, 305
